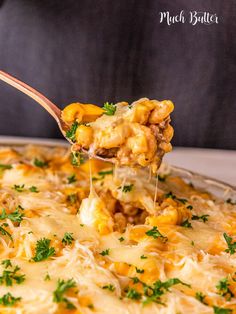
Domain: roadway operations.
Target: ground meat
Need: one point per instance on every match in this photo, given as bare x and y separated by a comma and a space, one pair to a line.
106, 153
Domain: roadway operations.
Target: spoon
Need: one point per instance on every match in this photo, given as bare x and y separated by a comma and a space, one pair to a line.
54, 111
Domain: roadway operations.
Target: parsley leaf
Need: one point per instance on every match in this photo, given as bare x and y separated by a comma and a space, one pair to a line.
161, 178
203, 218
4, 231
5, 167
231, 245
121, 239
109, 108
200, 297
70, 134
6, 263
139, 271
71, 179
77, 159
223, 289
18, 188
40, 163
127, 188
9, 276
15, 216
68, 238
109, 287
186, 224
63, 287
155, 233
43, 250
8, 299
47, 277
221, 310
34, 189
105, 252
143, 257
133, 294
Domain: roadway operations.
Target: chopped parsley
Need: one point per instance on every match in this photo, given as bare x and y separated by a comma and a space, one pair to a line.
127, 188
223, 289
231, 245
77, 159
47, 277
186, 224
221, 310
43, 250
68, 238
155, 233
133, 294
19, 188
153, 293
40, 163
202, 218
72, 198
9, 277
109, 287
71, 179
8, 299
109, 108
70, 134
139, 271
102, 174
15, 216
4, 231
6, 263
200, 297
105, 252
34, 189
182, 200
5, 167
170, 195
59, 294
143, 257
190, 207
121, 239
161, 177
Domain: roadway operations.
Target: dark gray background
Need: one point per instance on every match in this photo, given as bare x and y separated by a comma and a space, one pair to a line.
112, 50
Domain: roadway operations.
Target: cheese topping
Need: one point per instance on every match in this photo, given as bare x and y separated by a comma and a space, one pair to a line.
130, 246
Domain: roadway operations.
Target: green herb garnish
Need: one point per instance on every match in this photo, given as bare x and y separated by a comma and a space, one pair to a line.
40, 163
133, 294
15, 216
70, 134
139, 271
4, 231
109, 108
105, 252
34, 189
59, 294
155, 233
68, 238
8, 277
77, 159
71, 179
6, 263
121, 239
223, 289
200, 297
43, 250
186, 224
5, 167
8, 299
231, 245
221, 310
202, 218
18, 188
143, 257
109, 287
127, 188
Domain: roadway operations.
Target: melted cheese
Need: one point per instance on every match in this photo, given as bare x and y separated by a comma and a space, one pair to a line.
110, 238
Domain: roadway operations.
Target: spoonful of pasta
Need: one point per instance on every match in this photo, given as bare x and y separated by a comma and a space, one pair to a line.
134, 135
